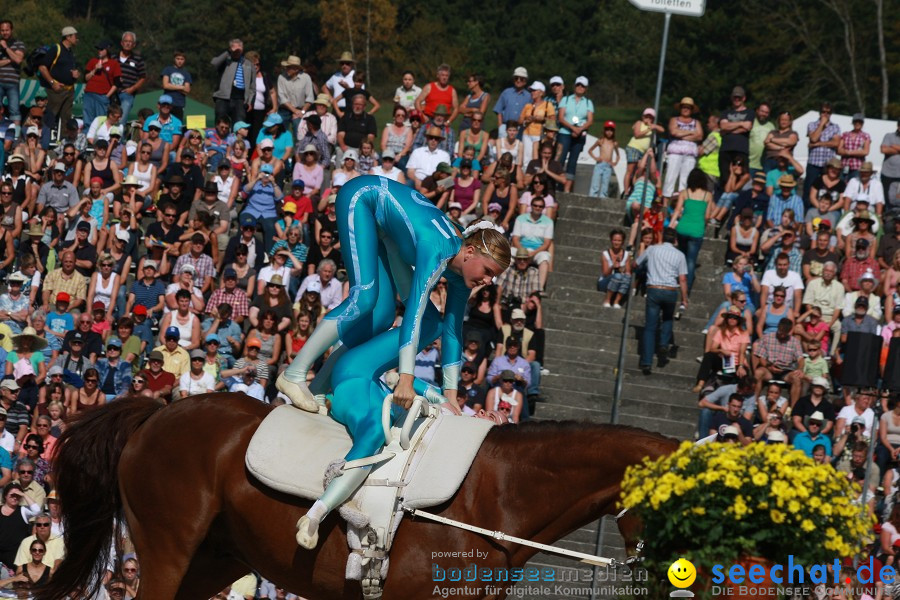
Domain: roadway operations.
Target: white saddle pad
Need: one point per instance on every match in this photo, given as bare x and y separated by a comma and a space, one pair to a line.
292, 448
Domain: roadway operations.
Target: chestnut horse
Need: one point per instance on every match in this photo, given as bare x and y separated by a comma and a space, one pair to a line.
200, 521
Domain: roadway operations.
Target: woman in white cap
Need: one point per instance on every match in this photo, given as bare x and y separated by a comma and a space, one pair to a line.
308, 169
15, 176
348, 166
35, 157
642, 132
534, 115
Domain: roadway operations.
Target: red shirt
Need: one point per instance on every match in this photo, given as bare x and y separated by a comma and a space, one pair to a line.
158, 382
100, 83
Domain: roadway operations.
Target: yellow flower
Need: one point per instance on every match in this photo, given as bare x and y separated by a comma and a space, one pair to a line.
794, 506
699, 510
777, 516
807, 525
760, 479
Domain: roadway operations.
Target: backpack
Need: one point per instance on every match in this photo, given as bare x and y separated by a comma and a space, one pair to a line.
36, 57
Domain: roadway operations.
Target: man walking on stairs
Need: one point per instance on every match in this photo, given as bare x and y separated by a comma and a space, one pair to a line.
666, 275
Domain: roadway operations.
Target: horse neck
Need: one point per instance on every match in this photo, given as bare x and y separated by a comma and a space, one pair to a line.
554, 480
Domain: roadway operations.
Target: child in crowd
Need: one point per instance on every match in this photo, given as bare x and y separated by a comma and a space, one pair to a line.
607, 157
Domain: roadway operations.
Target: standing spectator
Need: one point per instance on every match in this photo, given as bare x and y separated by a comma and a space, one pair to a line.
853, 147
12, 53
533, 117
890, 168
780, 142
576, 115
342, 79
735, 124
607, 158
824, 139
511, 101
237, 82
439, 92
666, 273
689, 219
686, 132
58, 74
102, 75
406, 94
295, 92
759, 133
134, 73
176, 82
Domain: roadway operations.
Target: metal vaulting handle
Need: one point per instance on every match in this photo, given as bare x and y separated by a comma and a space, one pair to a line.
414, 412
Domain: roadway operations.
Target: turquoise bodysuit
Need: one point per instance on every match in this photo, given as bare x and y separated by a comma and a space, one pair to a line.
394, 242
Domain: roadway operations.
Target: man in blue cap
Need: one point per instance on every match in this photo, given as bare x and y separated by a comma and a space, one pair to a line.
176, 359
246, 237
114, 373
170, 126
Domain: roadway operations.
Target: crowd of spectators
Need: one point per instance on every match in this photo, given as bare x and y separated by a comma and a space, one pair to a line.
142, 257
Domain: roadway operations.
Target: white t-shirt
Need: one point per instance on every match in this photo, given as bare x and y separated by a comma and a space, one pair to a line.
334, 84
848, 413
407, 97
266, 273
424, 161
394, 173
874, 192
792, 282
192, 386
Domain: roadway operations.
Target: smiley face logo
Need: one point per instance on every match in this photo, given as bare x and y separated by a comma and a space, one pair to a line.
682, 573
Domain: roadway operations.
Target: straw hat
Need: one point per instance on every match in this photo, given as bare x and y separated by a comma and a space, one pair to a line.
37, 342
292, 61
687, 100
346, 56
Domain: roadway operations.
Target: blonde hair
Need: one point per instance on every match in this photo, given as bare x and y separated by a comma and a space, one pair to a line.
491, 243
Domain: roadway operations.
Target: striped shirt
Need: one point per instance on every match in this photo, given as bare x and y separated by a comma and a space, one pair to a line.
239, 76
133, 68
10, 73
665, 264
147, 295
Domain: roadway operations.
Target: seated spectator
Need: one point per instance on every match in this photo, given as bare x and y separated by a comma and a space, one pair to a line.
229, 293
756, 199
478, 346
159, 381
538, 189
322, 249
742, 278
204, 266
825, 212
183, 321
815, 406
786, 198
14, 305
813, 332
779, 356
737, 298
388, 167
331, 290
427, 362
829, 184
858, 413
545, 164
274, 300
196, 380
615, 271
737, 178
818, 255
113, 372
517, 282
532, 347
470, 391
65, 279
284, 263
501, 191
717, 401
770, 316
533, 235
855, 467
186, 281
510, 361
864, 187
812, 436
867, 284
438, 186
504, 397
733, 416
424, 159
249, 385
250, 362
847, 223
889, 244
862, 230
176, 359
783, 243
772, 430
782, 276
728, 352
785, 164
72, 360
888, 449
744, 238
88, 397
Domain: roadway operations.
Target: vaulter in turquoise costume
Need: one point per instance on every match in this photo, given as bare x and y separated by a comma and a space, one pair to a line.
394, 243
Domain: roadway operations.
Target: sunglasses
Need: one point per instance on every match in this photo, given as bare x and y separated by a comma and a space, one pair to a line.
31, 447
169, 215
68, 154
138, 381
91, 380
432, 137
38, 551
42, 524
26, 472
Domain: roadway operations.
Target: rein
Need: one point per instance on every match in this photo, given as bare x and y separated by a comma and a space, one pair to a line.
503, 537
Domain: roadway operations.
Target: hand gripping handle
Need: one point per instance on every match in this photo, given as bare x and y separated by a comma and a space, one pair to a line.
414, 412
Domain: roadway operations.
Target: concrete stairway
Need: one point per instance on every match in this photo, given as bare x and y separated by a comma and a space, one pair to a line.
582, 345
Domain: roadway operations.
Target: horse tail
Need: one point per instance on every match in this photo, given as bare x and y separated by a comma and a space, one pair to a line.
86, 471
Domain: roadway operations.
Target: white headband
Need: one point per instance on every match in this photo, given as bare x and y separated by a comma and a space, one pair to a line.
479, 226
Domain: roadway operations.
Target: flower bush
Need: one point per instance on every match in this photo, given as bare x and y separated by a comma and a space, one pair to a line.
716, 502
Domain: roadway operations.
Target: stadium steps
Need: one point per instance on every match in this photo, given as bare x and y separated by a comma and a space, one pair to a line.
582, 349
